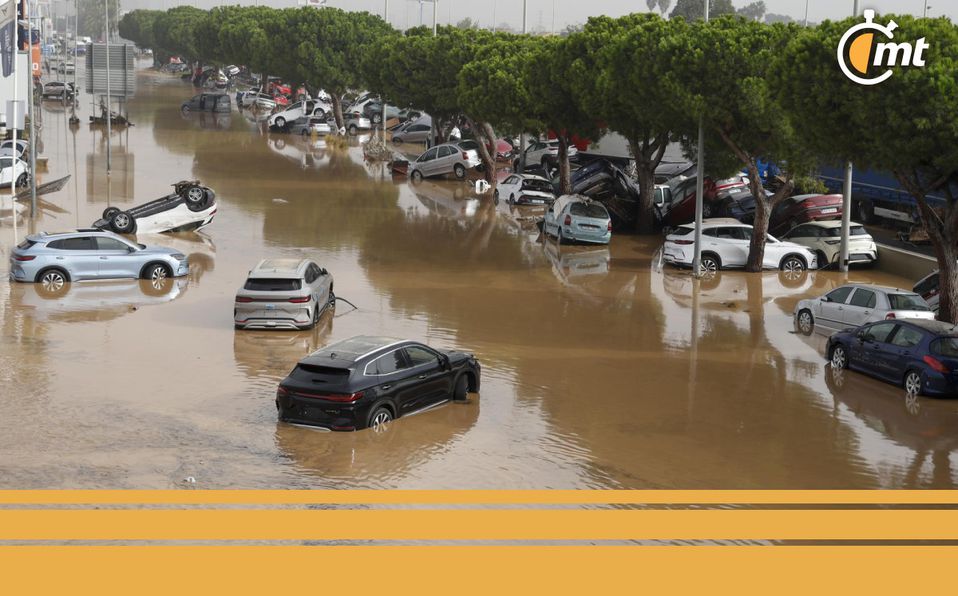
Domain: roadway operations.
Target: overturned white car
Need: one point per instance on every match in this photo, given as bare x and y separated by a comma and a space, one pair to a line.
189, 207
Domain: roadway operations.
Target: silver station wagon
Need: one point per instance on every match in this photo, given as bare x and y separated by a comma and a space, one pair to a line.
283, 294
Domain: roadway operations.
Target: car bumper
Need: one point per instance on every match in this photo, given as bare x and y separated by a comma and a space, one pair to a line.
314, 412
579, 235
676, 256
941, 385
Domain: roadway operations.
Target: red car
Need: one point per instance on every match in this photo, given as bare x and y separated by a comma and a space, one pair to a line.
681, 210
802, 209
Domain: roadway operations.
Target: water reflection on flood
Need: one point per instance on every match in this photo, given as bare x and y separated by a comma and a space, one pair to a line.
601, 367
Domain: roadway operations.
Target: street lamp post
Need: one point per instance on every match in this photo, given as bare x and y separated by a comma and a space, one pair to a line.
109, 115
12, 122
522, 136
32, 112
699, 188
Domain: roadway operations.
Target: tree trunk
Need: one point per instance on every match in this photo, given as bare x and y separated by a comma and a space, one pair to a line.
648, 155
756, 246
338, 110
486, 138
565, 170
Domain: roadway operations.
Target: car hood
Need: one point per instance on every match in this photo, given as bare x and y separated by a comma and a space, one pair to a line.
157, 250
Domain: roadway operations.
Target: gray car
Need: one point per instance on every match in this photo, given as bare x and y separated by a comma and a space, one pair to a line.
283, 294
450, 158
55, 259
413, 131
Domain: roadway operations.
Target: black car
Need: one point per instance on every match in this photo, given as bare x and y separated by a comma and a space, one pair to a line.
368, 381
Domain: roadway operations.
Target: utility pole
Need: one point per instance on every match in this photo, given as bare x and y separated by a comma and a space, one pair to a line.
699, 188
522, 135
12, 120
109, 98
846, 200
32, 112
805, 24
435, 16
383, 99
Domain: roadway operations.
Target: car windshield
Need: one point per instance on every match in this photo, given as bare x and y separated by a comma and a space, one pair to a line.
272, 285
589, 210
946, 346
540, 185
907, 302
852, 231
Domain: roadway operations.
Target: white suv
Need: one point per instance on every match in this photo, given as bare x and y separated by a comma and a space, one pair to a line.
725, 244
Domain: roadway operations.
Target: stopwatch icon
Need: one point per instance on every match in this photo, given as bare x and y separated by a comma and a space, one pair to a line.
860, 41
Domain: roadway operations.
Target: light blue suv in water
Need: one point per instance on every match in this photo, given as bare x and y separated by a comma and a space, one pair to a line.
55, 259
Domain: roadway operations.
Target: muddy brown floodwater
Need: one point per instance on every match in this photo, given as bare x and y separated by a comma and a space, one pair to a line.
600, 369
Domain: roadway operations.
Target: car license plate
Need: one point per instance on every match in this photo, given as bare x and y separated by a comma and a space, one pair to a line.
270, 307
830, 210
537, 202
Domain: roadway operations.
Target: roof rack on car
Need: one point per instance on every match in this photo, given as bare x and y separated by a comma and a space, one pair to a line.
89, 230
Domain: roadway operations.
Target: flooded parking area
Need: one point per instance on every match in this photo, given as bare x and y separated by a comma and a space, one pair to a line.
601, 367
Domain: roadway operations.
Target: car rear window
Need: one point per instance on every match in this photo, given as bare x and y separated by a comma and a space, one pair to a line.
312, 373
26, 244
682, 231
946, 346
589, 210
259, 284
540, 185
907, 302
469, 145
852, 231
928, 285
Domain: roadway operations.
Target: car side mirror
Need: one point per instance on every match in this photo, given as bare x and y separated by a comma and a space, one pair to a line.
825, 299
444, 362
131, 249
323, 271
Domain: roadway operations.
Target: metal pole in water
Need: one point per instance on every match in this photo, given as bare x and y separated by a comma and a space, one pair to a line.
32, 112
522, 136
846, 200
12, 123
109, 106
699, 189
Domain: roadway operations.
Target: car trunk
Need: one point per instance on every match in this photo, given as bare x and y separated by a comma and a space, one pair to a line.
822, 207
273, 298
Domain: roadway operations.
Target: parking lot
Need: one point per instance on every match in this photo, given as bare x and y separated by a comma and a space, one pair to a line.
602, 367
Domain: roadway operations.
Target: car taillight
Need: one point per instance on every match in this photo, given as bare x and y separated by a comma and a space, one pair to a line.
23, 257
568, 220
338, 397
281, 391
465, 155
608, 228
936, 364
684, 242
890, 315
243, 299
299, 300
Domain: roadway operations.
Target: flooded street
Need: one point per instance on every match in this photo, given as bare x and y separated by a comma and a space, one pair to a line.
600, 369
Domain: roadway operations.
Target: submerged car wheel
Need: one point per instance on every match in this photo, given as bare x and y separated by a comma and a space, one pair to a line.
709, 265
109, 212
495, 197
839, 357
913, 383
512, 199
806, 323
460, 171
380, 419
353, 129
281, 122
793, 265
122, 222
416, 176
156, 273
196, 198
52, 282
22, 180
462, 389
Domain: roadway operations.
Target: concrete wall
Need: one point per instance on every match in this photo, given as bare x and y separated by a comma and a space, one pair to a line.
6, 84
907, 264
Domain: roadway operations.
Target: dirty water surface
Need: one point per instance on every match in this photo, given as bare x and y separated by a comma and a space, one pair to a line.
600, 368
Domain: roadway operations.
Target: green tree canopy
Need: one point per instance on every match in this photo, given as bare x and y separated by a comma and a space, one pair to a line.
907, 125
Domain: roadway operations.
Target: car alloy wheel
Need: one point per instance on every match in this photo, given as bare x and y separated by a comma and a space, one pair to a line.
913, 383
53, 281
195, 194
157, 275
460, 171
793, 265
121, 220
805, 322
380, 420
708, 266
495, 197
839, 358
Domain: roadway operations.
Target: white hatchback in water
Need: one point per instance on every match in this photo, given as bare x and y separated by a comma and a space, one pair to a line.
853, 305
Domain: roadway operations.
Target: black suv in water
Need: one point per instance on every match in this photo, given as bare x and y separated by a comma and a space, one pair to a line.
368, 381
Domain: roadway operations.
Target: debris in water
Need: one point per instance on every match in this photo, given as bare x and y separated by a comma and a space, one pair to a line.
280, 201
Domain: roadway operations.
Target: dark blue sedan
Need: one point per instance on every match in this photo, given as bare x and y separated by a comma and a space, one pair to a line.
921, 355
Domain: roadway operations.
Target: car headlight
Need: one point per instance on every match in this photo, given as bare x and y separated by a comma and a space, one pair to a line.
178, 256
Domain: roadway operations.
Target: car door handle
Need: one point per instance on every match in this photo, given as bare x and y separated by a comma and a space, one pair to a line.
421, 377
868, 312
103, 258
385, 387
